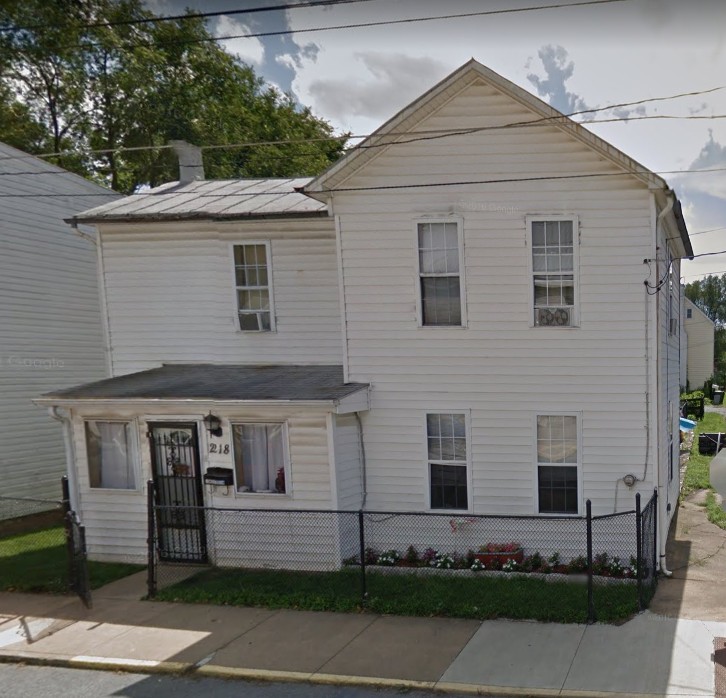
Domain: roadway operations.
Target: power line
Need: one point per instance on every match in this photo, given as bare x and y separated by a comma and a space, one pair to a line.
388, 187
357, 25
194, 15
710, 230
424, 135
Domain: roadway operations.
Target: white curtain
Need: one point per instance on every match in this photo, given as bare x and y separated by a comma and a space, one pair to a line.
258, 455
110, 462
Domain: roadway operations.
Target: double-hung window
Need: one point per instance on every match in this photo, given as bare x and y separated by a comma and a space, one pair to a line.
447, 460
259, 458
558, 454
554, 271
252, 282
440, 273
110, 455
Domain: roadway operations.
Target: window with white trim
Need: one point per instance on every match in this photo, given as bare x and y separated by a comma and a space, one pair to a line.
439, 261
259, 458
109, 453
557, 464
447, 461
554, 268
252, 281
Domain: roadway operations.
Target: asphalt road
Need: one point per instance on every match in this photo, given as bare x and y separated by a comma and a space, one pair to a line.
18, 681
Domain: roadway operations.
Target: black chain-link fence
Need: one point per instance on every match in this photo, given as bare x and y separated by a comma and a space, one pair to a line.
592, 551
42, 546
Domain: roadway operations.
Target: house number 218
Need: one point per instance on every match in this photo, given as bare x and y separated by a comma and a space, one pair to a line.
219, 448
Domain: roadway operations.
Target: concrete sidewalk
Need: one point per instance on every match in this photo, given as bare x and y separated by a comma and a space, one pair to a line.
649, 655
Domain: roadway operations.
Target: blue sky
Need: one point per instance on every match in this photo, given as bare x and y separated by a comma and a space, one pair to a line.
574, 58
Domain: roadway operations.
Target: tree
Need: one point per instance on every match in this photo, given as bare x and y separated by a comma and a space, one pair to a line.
97, 75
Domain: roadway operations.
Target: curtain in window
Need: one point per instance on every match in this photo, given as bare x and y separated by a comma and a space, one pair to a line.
110, 465
258, 455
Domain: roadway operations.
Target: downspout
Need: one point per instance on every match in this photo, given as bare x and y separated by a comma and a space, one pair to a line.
63, 417
670, 201
362, 452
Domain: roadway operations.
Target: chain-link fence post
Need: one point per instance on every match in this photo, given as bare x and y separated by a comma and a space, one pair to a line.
639, 550
151, 541
590, 601
655, 533
362, 541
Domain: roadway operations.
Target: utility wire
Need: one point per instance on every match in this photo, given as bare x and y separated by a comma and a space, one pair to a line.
356, 25
424, 135
388, 187
193, 15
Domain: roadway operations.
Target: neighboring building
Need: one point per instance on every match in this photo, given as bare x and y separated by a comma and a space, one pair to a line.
495, 311
701, 332
51, 330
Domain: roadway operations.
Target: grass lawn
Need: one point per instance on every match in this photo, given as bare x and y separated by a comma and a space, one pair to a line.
38, 562
698, 475
406, 595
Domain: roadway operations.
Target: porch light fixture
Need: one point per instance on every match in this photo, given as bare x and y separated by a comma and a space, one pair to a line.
213, 424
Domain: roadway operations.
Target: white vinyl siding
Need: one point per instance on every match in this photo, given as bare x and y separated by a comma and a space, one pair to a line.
701, 332
176, 302
501, 368
253, 283
50, 319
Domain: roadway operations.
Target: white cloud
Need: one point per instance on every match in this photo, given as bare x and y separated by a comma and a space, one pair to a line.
247, 50
395, 81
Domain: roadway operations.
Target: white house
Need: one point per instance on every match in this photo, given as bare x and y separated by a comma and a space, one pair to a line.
700, 333
475, 311
51, 332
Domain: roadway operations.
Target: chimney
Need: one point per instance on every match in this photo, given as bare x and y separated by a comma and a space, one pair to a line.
191, 167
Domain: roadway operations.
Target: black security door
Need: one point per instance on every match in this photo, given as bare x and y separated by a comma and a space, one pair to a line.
178, 486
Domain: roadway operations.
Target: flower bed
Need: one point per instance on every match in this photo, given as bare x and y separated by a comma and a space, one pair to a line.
495, 558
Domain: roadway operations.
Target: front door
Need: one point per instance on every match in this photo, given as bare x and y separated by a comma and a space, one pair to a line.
178, 486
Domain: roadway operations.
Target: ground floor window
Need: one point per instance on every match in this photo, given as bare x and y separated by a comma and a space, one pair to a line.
557, 464
259, 458
110, 461
447, 456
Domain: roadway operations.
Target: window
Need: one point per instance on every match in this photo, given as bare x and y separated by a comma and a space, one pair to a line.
557, 464
553, 272
439, 260
259, 458
689, 313
447, 449
109, 452
252, 280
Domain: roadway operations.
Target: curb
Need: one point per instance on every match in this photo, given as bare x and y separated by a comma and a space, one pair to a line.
145, 666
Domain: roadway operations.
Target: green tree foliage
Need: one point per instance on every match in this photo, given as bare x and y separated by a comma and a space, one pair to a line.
77, 83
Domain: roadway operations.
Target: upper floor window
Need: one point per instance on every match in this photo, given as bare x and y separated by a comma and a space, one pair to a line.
110, 455
554, 271
448, 462
689, 313
440, 273
252, 280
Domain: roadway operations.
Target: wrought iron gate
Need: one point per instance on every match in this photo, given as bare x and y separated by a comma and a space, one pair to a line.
78, 579
180, 522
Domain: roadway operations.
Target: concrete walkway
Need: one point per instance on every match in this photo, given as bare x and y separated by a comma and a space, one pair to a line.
649, 655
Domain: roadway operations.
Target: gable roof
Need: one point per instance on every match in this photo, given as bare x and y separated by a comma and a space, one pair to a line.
691, 304
325, 183
25, 175
222, 199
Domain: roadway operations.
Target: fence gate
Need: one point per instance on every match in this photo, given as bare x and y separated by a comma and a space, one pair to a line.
78, 579
180, 521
